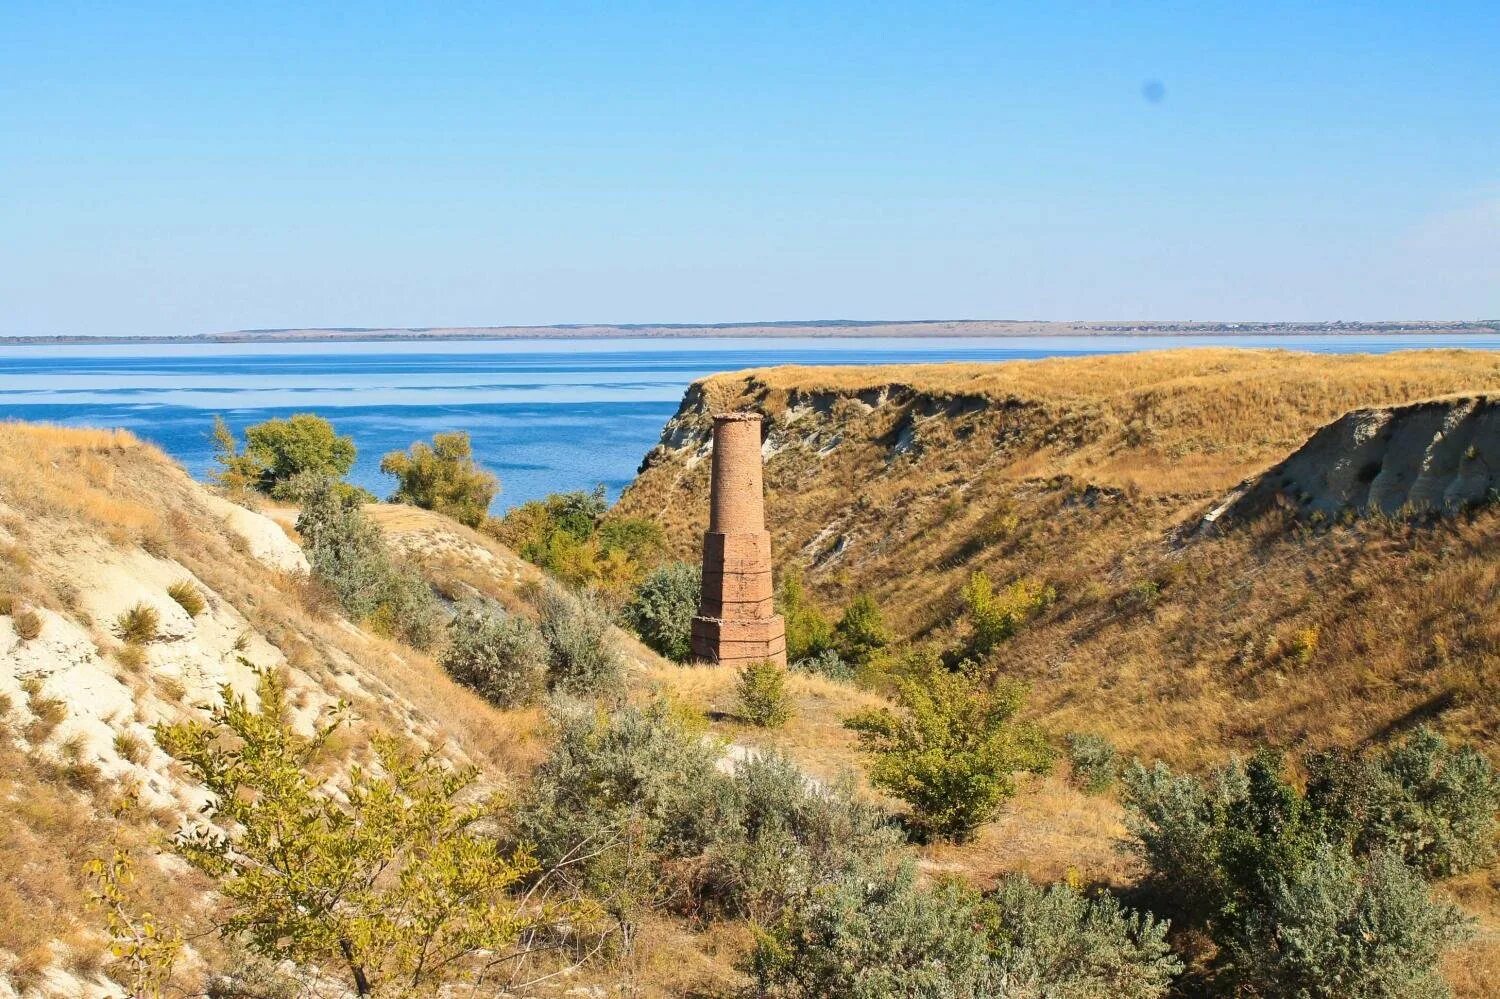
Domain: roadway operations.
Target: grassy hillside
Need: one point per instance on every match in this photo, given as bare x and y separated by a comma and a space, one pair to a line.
1092, 474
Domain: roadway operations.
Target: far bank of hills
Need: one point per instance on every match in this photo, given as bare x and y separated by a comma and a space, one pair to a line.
801, 329
1268, 577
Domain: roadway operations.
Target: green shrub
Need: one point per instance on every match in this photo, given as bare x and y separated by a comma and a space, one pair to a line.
663, 608
139, 625
187, 596
1433, 805
808, 633
951, 750
619, 794
302, 447
1056, 941
28, 625
583, 658
861, 633
349, 556
442, 476
761, 696
503, 658
1094, 760
996, 617
1271, 878
826, 663
1333, 926
784, 836
567, 535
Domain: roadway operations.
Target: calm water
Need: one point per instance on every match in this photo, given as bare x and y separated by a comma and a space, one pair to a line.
547, 415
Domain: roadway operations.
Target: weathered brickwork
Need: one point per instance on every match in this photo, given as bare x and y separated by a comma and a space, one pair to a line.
736, 621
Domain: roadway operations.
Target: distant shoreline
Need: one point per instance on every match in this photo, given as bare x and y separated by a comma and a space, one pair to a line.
809, 329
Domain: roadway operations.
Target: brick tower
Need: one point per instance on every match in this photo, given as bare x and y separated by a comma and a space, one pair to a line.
736, 622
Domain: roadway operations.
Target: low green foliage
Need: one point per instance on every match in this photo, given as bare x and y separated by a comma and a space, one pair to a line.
1270, 875
502, 657
761, 697
568, 535
387, 875
809, 634
583, 658
875, 932
861, 633
1094, 761
349, 555
662, 610
138, 625
951, 749
442, 476
996, 617
826, 663
1432, 804
188, 597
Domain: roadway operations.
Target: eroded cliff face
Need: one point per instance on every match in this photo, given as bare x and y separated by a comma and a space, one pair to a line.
1090, 476
1435, 457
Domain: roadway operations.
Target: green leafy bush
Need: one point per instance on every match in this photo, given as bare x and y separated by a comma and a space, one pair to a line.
1094, 760
583, 658
874, 932
952, 749
567, 535
138, 625
996, 617
861, 633
442, 476
621, 793
826, 663
761, 696
349, 556
502, 657
808, 633
1432, 804
1248, 858
783, 836
663, 608
283, 457
1056, 941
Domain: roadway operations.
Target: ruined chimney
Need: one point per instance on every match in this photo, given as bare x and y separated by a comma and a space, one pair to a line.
736, 622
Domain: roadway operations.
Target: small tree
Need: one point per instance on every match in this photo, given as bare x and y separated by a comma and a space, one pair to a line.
504, 658
442, 476
808, 632
996, 617
861, 632
663, 608
386, 875
951, 750
301, 446
761, 694
237, 473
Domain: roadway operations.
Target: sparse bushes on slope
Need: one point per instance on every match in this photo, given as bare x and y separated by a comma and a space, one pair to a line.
568, 535
504, 658
861, 633
442, 476
28, 624
348, 554
808, 633
761, 696
951, 749
663, 608
583, 658
188, 597
995, 617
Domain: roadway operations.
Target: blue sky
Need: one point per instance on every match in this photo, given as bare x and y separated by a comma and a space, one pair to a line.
181, 168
